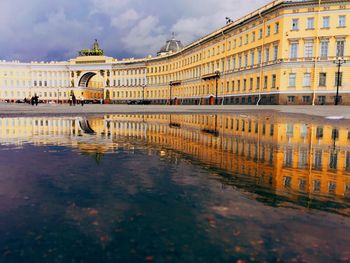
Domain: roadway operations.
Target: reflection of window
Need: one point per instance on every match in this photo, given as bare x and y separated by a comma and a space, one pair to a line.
317, 185
302, 183
303, 156
335, 134
333, 160
318, 159
347, 161
271, 155
287, 181
288, 157
347, 188
303, 131
290, 129
262, 156
331, 187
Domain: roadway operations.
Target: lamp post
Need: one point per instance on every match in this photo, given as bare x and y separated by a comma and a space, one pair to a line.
338, 62
143, 93
217, 76
170, 95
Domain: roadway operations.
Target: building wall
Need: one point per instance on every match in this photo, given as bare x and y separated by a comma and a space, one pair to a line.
254, 56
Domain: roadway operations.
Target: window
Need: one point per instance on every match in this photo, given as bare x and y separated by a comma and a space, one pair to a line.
253, 36
295, 24
266, 79
309, 49
306, 99
322, 100
258, 83
294, 50
246, 39
252, 59
307, 80
340, 48
273, 84
291, 99
324, 48
267, 54
244, 84
277, 27
310, 23
318, 159
342, 21
325, 22
333, 160
292, 80
287, 181
246, 60
268, 31
322, 79
251, 84
275, 53
259, 56
338, 79
317, 185
260, 33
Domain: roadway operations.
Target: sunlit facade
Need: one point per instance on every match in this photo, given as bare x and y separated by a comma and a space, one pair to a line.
282, 53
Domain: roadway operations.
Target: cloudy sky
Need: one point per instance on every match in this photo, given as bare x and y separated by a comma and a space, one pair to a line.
45, 30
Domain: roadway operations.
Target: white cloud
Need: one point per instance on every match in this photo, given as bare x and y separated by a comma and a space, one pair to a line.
145, 37
126, 19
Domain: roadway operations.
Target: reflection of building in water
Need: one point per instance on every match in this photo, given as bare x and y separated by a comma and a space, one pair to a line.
278, 152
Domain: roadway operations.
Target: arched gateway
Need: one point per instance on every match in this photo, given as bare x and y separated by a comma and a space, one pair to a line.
84, 80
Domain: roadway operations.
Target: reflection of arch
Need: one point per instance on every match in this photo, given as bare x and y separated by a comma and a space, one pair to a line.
85, 126
84, 81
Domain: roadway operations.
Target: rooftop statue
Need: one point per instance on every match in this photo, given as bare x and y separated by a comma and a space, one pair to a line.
95, 51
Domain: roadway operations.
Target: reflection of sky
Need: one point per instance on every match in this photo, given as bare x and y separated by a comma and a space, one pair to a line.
137, 202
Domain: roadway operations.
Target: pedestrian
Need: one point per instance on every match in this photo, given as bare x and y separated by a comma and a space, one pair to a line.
32, 101
82, 103
36, 99
74, 100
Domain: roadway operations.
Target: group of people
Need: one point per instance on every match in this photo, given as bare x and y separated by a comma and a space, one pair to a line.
34, 100
73, 101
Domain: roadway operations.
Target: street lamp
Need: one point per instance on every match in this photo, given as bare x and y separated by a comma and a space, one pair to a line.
217, 76
338, 62
143, 93
170, 95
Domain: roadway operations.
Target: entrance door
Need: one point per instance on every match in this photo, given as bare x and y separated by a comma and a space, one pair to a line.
211, 100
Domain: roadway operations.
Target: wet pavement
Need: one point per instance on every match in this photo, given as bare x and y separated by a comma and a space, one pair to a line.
174, 188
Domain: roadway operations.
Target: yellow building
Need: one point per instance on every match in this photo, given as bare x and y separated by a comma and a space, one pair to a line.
282, 53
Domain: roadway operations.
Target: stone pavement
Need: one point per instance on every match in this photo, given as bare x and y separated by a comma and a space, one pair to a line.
7, 109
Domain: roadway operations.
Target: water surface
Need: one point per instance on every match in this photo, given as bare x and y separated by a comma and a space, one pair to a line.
174, 188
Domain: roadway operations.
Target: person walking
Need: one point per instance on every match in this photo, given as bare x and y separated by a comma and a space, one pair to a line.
82, 103
36, 100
